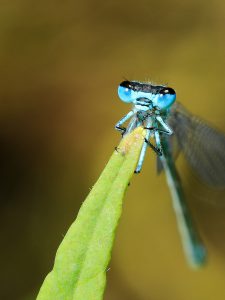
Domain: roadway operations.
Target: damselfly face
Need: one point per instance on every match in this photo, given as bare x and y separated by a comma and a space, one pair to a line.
146, 95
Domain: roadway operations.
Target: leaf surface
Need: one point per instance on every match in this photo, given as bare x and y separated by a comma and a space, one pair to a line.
79, 271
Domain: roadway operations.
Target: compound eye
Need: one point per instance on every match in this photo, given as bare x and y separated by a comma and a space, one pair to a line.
168, 91
125, 93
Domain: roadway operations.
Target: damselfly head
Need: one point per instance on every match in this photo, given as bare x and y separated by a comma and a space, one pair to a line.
161, 96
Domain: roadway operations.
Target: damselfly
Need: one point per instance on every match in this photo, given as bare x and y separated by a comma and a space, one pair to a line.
167, 123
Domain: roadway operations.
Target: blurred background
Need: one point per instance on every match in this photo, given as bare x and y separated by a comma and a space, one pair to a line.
60, 65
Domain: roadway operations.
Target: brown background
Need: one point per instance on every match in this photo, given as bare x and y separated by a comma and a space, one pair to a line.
60, 65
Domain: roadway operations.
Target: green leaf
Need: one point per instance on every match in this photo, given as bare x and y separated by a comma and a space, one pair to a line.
79, 271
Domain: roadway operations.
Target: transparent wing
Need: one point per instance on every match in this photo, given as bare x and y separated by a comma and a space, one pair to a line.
202, 145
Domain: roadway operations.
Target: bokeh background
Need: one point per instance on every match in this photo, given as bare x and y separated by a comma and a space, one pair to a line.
60, 65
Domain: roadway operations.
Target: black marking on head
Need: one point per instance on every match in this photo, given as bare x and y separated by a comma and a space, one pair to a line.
133, 85
147, 87
167, 90
126, 84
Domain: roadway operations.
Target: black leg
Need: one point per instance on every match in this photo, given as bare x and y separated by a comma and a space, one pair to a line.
157, 150
121, 129
159, 130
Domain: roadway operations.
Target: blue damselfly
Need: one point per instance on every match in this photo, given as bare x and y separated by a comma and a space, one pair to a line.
166, 121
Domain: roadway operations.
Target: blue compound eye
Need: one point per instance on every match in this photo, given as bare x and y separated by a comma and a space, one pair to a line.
125, 92
166, 98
